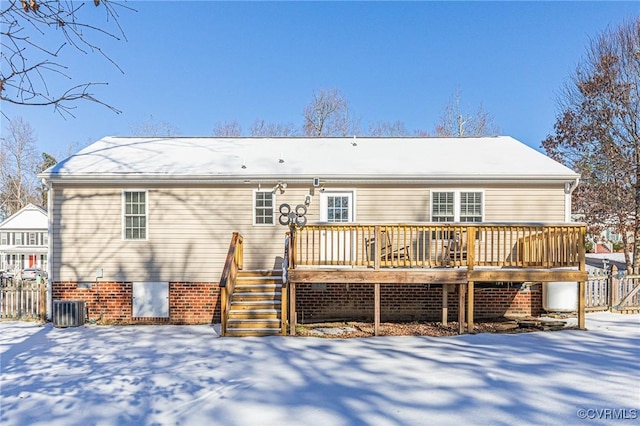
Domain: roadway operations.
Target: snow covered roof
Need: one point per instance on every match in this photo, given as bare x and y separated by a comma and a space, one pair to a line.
368, 159
28, 217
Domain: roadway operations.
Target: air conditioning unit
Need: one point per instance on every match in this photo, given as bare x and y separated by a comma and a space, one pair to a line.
69, 313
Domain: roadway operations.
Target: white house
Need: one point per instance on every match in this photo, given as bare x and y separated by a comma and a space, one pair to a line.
24, 239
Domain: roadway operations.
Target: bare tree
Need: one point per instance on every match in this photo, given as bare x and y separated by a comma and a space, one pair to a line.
388, 129
454, 122
227, 129
153, 128
597, 133
260, 128
35, 34
47, 161
328, 114
19, 161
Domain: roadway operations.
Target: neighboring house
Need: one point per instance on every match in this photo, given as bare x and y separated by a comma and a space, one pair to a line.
141, 226
599, 263
24, 240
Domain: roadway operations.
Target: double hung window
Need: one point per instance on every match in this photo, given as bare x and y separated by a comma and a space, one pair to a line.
457, 206
263, 208
135, 215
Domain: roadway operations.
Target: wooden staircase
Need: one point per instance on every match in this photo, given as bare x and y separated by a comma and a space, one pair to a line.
255, 308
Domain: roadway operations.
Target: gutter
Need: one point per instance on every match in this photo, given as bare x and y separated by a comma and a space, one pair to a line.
120, 179
569, 188
50, 196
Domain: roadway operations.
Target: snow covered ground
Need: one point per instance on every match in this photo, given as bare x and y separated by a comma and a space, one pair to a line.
185, 375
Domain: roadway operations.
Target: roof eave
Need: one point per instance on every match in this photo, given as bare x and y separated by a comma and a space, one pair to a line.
303, 179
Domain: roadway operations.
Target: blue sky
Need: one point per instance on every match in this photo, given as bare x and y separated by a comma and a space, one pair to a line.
194, 64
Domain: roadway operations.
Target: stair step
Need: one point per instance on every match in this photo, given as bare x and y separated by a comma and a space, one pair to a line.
260, 274
253, 323
254, 314
258, 281
263, 288
252, 332
255, 304
255, 297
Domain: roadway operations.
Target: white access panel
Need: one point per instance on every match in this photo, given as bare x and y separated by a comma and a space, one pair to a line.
150, 300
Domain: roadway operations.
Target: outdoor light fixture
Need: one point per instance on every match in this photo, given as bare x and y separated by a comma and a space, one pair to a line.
281, 186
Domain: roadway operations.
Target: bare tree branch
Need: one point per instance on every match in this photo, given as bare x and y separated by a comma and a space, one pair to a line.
454, 122
227, 129
19, 161
34, 35
328, 114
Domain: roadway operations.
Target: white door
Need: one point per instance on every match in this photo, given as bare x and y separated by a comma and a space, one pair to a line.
336, 208
150, 300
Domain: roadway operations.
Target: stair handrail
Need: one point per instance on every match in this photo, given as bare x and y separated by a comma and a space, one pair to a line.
285, 294
232, 265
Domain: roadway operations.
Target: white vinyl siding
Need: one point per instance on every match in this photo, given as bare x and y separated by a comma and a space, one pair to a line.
135, 215
524, 204
189, 227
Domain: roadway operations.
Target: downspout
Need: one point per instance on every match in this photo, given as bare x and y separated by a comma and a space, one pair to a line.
569, 187
49, 247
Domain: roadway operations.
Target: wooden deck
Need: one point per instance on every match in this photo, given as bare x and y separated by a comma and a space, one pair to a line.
437, 253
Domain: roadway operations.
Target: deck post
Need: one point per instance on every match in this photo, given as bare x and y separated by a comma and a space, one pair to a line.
445, 304
378, 248
471, 260
293, 315
376, 301
582, 284
284, 305
581, 305
223, 311
470, 288
461, 294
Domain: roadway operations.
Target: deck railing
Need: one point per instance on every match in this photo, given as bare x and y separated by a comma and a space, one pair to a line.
232, 264
436, 245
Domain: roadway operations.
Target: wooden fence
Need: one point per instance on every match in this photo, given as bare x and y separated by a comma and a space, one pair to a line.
613, 291
23, 300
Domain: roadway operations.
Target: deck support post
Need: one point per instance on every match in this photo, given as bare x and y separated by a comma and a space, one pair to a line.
470, 289
582, 284
376, 315
581, 305
445, 304
293, 315
461, 295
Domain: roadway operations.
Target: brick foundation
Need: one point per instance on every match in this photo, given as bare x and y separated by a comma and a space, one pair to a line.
111, 302
401, 303
199, 303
